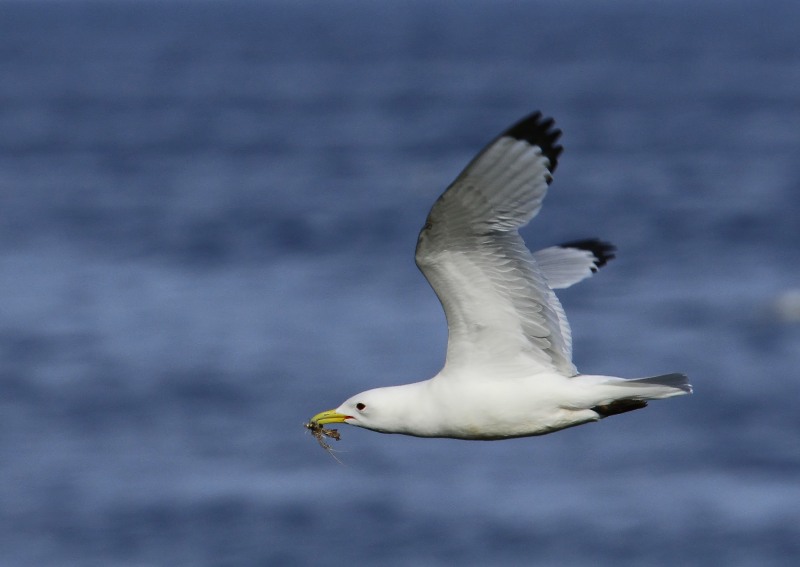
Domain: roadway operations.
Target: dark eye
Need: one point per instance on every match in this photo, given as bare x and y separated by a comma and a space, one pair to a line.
360, 406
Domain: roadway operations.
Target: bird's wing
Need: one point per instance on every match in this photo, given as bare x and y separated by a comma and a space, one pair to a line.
567, 264
502, 316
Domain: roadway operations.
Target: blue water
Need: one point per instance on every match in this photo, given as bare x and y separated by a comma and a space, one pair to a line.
209, 211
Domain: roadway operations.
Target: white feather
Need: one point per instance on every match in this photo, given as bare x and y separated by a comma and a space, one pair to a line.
500, 310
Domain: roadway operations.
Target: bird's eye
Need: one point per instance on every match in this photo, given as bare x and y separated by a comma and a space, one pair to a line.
360, 406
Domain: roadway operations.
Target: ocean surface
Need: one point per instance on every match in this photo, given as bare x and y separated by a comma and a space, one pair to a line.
208, 212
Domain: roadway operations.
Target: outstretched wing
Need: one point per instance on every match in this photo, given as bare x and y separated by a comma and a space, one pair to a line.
567, 264
502, 315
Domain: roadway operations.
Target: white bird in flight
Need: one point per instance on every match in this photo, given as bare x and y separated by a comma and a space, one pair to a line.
508, 371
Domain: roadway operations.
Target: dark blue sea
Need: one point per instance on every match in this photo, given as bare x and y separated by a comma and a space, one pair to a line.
208, 212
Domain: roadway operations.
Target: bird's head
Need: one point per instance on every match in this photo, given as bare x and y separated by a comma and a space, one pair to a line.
386, 410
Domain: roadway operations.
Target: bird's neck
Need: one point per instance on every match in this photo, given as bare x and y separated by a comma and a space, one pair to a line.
411, 410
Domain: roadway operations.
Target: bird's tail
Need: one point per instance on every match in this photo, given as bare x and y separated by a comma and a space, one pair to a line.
620, 395
650, 388
658, 387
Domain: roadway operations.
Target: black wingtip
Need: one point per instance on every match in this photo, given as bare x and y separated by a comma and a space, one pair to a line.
603, 252
539, 131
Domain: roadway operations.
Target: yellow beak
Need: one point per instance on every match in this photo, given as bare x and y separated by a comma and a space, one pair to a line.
329, 416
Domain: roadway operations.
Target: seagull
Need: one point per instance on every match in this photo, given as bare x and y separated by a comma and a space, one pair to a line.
508, 371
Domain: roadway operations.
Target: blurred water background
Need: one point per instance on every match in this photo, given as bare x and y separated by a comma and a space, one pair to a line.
209, 211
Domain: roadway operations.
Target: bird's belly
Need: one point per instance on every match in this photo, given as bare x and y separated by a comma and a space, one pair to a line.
531, 425
505, 411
